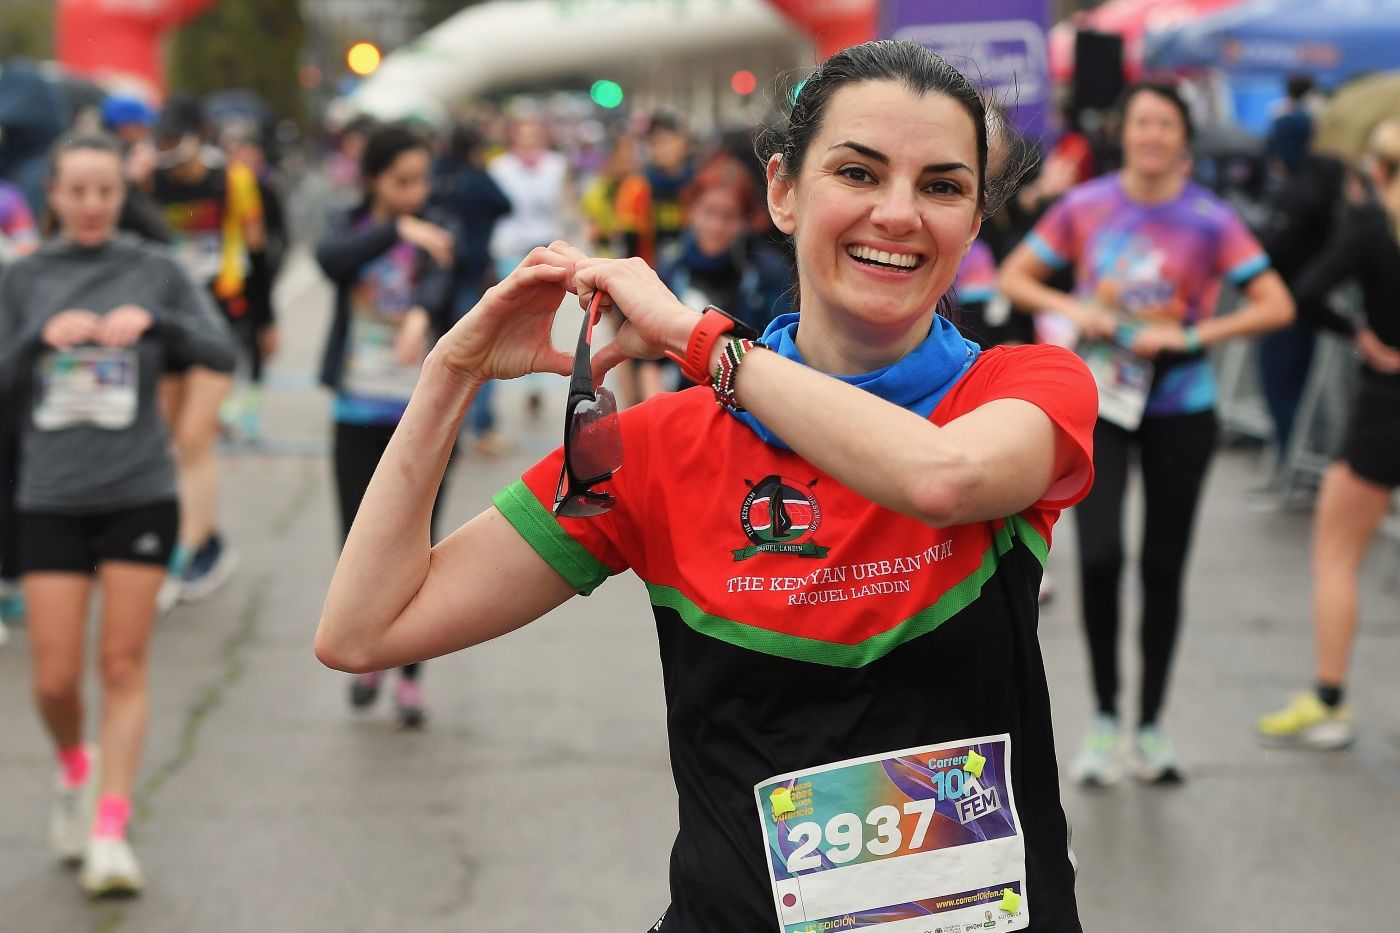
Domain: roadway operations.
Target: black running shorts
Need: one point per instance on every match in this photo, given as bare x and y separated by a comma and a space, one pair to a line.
1371, 445
58, 543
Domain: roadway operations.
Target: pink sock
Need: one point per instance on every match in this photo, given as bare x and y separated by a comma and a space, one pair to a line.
113, 810
75, 764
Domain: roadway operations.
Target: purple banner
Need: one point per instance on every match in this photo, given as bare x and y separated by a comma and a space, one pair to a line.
1000, 44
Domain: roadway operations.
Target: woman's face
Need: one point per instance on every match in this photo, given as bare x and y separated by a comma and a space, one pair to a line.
886, 204
403, 187
1154, 135
529, 137
717, 218
86, 195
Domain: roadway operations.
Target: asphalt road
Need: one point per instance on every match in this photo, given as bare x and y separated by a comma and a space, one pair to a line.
540, 797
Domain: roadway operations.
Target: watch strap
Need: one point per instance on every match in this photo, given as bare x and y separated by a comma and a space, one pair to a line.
714, 323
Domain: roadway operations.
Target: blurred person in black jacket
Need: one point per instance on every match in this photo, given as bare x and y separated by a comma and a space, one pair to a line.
463, 190
1299, 219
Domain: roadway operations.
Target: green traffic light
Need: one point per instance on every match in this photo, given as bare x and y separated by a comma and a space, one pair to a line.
606, 94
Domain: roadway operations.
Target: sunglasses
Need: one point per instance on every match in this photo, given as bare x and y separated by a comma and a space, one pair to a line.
592, 433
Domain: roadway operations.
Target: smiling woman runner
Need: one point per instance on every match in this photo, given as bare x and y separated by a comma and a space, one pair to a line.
87, 325
843, 575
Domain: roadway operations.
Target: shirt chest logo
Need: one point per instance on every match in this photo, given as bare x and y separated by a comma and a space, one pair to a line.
780, 516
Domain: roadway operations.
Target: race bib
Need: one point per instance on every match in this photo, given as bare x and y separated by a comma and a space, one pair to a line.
86, 386
909, 841
371, 368
201, 255
1124, 380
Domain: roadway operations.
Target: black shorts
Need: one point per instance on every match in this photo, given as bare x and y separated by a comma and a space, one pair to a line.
51, 542
1371, 445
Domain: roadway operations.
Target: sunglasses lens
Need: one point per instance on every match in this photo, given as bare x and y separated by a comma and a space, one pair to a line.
595, 438
584, 505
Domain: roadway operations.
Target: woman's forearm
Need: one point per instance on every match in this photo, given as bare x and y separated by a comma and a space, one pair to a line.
1028, 294
387, 553
882, 452
1268, 307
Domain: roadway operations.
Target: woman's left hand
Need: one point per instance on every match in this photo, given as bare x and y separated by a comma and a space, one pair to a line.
1153, 339
656, 321
124, 325
507, 333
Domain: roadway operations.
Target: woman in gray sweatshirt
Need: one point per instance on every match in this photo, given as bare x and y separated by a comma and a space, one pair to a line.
87, 325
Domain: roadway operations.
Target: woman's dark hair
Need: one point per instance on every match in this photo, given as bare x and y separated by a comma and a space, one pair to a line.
465, 144
911, 65
384, 145
93, 141
1167, 92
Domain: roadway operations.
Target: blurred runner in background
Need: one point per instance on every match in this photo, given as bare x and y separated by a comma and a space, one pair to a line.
215, 214
87, 325
1150, 250
463, 190
536, 180
1356, 490
392, 271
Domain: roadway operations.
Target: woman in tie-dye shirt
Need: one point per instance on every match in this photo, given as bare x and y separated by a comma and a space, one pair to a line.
1150, 251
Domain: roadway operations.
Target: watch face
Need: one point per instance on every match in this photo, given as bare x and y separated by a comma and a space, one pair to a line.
739, 329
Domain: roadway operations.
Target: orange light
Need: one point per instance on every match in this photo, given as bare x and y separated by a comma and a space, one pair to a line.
363, 58
743, 83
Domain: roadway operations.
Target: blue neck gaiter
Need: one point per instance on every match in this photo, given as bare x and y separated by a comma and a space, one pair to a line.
917, 382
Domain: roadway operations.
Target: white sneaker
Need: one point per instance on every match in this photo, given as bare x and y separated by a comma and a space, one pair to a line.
1156, 757
70, 819
109, 867
1096, 762
169, 594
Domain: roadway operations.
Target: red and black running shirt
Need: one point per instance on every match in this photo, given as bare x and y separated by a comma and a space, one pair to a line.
800, 624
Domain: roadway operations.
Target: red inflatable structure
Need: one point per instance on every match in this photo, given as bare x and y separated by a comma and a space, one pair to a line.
120, 39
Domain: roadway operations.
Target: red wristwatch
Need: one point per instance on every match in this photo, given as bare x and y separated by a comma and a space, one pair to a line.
714, 324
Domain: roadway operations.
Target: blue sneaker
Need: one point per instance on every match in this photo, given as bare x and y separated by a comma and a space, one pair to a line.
210, 568
11, 603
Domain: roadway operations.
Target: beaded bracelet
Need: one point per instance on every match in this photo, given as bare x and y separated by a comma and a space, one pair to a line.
727, 369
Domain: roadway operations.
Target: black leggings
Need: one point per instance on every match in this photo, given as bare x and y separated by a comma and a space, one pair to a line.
1174, 451
357, 451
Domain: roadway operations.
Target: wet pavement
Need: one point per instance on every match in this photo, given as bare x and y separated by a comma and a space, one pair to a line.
540, 798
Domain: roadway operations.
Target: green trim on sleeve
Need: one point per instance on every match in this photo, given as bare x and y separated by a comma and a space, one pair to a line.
1033, 540
537, 526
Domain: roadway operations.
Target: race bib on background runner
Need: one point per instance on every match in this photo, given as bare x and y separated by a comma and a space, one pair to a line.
86, 386
372, 369
201, 255
921, 838
1124, 380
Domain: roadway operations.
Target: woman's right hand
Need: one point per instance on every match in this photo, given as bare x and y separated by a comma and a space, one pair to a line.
430, 238
507, 334
67, 329
1380, 356
1094, 322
